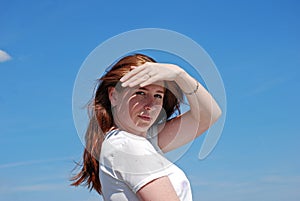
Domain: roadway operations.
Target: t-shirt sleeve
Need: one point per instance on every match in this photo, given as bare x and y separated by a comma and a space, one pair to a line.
136, 162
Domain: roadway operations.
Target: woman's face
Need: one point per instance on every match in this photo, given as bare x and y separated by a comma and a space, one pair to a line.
137, 108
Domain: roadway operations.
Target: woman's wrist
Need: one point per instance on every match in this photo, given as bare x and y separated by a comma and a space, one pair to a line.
179, 72
194, 91
188, 84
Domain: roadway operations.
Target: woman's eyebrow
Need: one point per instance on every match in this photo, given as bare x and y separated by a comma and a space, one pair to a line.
158, 91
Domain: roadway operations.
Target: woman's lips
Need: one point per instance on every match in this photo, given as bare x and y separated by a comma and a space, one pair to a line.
145, 117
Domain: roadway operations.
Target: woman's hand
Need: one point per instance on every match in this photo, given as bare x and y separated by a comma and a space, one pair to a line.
149, 73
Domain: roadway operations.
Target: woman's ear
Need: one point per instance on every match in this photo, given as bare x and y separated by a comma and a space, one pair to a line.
112, 94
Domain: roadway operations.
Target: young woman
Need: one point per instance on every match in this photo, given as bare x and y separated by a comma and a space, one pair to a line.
132, 123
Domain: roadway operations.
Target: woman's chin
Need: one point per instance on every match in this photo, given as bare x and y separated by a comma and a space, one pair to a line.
143, 125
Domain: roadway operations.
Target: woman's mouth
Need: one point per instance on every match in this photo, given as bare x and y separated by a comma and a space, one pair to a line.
145, 117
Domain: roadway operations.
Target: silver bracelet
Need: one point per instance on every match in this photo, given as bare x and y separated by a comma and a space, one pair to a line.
193, 92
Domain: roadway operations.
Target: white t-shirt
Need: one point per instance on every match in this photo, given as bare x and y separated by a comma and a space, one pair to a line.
128, 162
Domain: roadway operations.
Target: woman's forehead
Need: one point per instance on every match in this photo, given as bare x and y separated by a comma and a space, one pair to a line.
158, 86
155, 87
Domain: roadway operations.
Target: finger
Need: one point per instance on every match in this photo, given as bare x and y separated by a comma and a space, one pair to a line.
149, 81
138, 81
132, 73
135, 78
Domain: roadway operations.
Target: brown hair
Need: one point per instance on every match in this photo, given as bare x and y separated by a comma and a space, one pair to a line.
101, 118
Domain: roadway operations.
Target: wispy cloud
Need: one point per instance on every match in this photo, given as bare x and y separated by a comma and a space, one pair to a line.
279, 179
32, 162
61, 190
266, 86
268, 187
4, 56
32, 188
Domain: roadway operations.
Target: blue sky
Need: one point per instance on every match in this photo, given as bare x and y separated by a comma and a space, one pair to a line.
254, 44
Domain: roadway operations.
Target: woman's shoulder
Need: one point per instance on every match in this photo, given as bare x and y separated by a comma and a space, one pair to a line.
119, 140
118, 136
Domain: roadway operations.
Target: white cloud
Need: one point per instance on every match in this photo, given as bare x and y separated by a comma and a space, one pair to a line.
267, 188
32, 188
34, 162
267, 85
4, 56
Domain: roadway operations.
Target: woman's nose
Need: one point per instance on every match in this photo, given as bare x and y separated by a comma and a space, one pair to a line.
149, 103
147, 107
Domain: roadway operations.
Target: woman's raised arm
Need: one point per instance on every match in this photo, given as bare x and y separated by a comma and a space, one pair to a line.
204, 110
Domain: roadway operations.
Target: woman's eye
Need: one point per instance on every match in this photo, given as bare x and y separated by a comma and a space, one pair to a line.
140, 93
158, 96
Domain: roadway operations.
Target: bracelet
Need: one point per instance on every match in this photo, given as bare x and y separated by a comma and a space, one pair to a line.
193, 92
